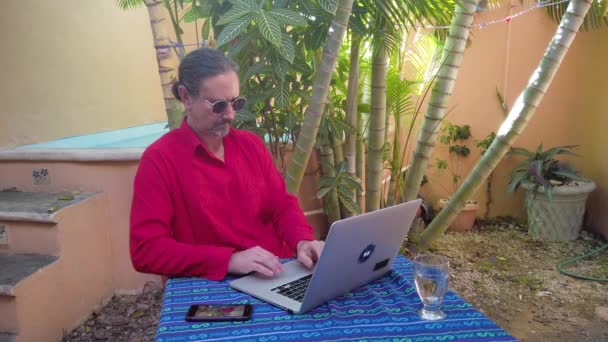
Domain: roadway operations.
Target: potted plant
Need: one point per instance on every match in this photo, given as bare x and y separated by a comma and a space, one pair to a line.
454, 137
555, 193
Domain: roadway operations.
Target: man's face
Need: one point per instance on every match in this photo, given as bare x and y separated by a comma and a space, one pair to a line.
201, 117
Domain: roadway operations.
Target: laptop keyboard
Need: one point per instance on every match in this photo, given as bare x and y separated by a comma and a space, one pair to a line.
294, 289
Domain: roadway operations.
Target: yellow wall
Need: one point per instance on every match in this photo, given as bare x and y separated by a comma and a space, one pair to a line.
74, 67
571, 113
592, 98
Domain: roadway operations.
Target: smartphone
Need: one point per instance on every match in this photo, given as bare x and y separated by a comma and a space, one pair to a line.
219, 312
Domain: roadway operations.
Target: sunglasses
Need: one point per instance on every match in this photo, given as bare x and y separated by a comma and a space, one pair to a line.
220, 106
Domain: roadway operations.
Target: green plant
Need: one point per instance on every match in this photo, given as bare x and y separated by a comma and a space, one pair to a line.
483, 145
344, 185
454, 137
542, 169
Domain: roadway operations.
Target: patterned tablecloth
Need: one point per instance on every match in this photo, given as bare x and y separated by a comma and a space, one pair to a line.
384, 310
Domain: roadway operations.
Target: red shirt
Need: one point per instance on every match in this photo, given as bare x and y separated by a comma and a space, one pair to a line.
191, 210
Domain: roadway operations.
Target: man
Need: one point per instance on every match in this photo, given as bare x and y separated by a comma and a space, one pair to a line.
208, 199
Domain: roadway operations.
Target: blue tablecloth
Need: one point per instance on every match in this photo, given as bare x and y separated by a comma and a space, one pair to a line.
384, 310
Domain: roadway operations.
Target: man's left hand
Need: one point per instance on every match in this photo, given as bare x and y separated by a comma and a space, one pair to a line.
308, 252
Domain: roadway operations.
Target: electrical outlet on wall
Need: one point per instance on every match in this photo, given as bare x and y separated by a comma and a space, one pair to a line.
3, 235
41, 176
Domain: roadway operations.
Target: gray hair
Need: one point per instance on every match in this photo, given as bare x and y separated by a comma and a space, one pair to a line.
198, 65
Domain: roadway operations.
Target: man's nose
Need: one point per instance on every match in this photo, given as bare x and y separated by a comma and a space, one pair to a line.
229, 113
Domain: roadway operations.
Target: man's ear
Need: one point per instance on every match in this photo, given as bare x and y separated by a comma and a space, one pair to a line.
185, 96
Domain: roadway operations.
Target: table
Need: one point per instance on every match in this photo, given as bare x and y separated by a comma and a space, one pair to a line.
384, 310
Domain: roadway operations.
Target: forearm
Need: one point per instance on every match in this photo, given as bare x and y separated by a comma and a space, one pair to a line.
165, 256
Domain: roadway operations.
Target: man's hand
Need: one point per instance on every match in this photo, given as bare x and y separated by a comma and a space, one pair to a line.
255, 259
309, 252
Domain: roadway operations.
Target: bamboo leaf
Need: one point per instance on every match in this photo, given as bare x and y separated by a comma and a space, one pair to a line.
270, 28
233, 29
328, 208
194, 13
258, 68
234, 13
323, 192
288, 17
386, 151
287, 48
329, 5
344, 191
357, 26
341, 169
250, 4
241, 43
348, 203
279, 65
326, 181
299, 63
281, 94
317, 37
354, 183
129, 4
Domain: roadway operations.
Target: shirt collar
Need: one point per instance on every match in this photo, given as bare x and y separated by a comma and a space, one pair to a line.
192, 140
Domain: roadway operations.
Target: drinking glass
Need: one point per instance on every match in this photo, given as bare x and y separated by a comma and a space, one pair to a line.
431, 274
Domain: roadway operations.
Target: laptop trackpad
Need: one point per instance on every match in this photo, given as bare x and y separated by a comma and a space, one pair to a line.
292, 270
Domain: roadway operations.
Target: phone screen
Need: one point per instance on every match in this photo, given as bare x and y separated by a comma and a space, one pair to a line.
217, 312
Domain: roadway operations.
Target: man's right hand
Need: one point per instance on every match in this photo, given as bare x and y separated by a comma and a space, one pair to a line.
255, 259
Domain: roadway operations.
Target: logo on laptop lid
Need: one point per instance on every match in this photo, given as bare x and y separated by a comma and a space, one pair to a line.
367, 253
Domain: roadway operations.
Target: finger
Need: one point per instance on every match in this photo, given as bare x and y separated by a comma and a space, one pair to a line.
262, 269
269, 260
305, 260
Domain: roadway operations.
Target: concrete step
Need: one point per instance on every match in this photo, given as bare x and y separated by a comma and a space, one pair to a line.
13, 270
28, 221
44, 296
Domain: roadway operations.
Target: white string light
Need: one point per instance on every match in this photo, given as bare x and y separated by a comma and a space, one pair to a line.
506, 20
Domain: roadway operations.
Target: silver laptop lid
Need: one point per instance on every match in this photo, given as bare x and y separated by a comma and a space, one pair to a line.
359, 250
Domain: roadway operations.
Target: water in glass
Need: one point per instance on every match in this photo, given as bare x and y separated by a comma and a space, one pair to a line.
431, 275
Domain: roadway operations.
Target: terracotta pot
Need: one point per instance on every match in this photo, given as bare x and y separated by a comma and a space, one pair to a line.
465, 219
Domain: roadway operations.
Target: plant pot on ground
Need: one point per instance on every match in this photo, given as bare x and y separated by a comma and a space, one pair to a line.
455, 138
466, 217
555, 193
560, 218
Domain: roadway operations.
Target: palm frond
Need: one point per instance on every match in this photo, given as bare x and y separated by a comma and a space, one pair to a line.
594, 20
129, 4
404, 15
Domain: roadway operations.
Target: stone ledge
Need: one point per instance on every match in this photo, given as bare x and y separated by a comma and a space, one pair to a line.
35, 206
75, 155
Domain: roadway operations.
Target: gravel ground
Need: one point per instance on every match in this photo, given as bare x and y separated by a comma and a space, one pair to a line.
512, 278
131, 318
507, 274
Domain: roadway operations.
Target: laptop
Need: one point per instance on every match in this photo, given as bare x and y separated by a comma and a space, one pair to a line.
358, 250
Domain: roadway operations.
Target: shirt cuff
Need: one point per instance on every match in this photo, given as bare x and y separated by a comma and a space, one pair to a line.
218, 259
